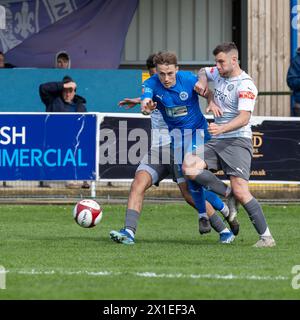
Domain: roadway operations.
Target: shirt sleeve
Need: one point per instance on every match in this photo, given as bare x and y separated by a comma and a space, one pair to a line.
147, 90
193, 78
247, 94
212, 73
187, 77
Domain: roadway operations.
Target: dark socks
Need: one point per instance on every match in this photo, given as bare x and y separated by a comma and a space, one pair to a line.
217, 223
256, 216
211, 182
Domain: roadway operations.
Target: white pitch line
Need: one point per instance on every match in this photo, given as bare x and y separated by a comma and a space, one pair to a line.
211, 276
149, 275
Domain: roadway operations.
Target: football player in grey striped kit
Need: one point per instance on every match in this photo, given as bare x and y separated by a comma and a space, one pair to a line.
230, 148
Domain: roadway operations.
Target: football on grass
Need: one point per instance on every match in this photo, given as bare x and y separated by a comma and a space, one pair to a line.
87, 213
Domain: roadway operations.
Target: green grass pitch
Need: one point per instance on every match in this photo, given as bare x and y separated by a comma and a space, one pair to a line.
48, 256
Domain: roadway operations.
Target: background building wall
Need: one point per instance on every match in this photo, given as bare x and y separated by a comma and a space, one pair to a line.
191, 28
269, 54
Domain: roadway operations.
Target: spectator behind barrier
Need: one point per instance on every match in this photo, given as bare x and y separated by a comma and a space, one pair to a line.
62, 60
61, 97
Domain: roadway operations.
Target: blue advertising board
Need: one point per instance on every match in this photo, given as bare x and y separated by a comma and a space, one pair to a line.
48, 146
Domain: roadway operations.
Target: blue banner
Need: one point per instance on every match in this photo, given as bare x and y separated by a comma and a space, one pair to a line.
48, 147
91, 31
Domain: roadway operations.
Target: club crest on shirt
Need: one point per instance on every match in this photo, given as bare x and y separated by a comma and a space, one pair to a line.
183, 95
230, 87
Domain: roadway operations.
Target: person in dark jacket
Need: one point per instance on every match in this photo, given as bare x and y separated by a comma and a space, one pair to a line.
293, 81
61, 96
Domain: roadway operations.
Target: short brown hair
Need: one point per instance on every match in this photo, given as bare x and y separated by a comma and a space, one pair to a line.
165, 57
225, 47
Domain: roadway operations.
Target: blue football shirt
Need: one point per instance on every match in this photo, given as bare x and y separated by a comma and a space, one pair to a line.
179, 104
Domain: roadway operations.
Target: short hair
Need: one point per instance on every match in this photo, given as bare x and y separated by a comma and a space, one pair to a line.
225, 47
150, 61
63, 55
67, 79
165, 57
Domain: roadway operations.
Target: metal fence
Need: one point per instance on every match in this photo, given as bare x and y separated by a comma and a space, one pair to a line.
22, 191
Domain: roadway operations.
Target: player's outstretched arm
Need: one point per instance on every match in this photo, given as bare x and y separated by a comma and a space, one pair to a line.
238, 122
129, 103
148, 105
201, 86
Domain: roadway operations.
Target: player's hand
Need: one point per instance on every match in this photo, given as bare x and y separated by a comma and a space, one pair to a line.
215, 109
129, 103
215, 129
202, 89
148, 107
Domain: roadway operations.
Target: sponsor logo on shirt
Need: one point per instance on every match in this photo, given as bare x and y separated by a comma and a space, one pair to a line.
247, 95
175, 112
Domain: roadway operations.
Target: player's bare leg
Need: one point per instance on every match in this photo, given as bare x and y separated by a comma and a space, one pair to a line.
194, 169
142, 181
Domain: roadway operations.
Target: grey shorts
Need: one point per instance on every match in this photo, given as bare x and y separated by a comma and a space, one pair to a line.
232, 155
159, 163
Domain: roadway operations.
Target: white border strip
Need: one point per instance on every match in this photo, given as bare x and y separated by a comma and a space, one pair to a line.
257, 182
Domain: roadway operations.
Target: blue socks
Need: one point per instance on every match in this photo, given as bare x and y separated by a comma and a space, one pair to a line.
214, 200
198, 195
